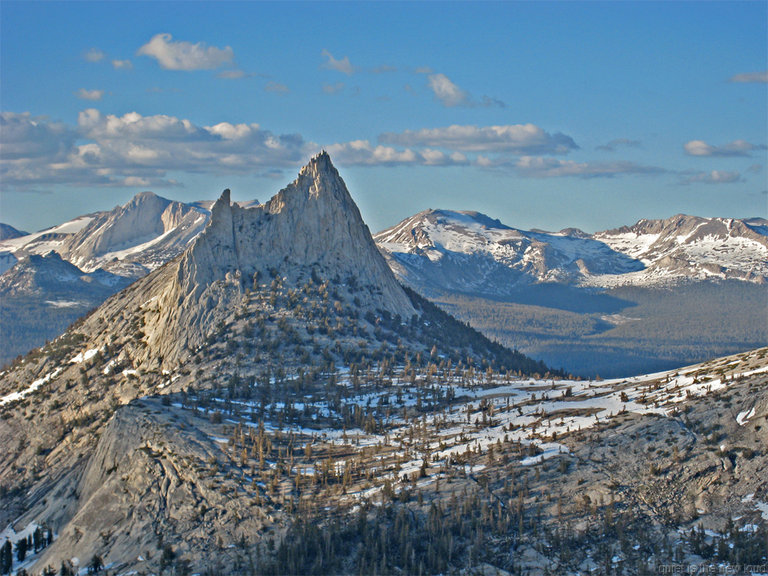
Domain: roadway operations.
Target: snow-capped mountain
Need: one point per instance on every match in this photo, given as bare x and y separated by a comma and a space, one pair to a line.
129, 240
147, 231
691, 247
469, 252
42, 294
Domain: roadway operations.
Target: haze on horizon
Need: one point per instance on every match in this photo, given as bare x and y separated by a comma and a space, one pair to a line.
544, 115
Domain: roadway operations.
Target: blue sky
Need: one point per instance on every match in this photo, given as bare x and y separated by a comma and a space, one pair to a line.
543, 115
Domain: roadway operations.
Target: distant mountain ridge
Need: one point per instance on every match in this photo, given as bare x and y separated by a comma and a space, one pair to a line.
694, 247
436, 252
7, 232
473, 253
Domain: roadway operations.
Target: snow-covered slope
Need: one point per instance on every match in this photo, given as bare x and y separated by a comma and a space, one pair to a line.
14, 249
691, 247
472, 253
129, 240
145, 233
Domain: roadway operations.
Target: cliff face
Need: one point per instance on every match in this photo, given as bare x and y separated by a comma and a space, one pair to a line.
310, 229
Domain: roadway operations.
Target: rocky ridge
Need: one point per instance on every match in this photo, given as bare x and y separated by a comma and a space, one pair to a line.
471, 253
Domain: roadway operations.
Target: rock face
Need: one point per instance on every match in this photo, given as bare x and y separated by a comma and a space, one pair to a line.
312, 224
310, 228
148, 476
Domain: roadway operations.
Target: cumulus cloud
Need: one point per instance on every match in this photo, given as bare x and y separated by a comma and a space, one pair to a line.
536, 167
179, 55
331, 63
446, 91
94, 95
363, 153
110, 150
122, 64
617, 143
751, 77
519, 138
713, 177
94, 55
27, 137
735, 148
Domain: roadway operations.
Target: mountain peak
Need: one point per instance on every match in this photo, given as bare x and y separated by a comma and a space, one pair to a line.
310, 228
220, 207
320, 162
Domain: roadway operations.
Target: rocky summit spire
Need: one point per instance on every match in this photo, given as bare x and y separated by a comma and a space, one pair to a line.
310, 229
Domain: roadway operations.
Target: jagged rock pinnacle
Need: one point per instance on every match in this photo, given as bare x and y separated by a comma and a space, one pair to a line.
312, 226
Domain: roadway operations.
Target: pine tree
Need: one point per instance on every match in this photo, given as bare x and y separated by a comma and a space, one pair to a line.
21, 549
6, 558
96, 564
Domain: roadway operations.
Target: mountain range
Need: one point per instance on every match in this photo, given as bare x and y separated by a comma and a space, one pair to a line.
273, 401
471, 253
576, 300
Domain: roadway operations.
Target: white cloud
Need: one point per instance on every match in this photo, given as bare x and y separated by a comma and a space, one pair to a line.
94, 55
713, 177
90, 94
751, 77
110, 150
122, 64
363, 153
343, 65
446, 91
735, 148
536, 167
519, 138
450, 95
333, 88
178, 55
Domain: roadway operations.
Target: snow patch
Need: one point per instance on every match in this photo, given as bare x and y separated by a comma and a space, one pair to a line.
14, 396
63, 303
744, 416
84, 356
